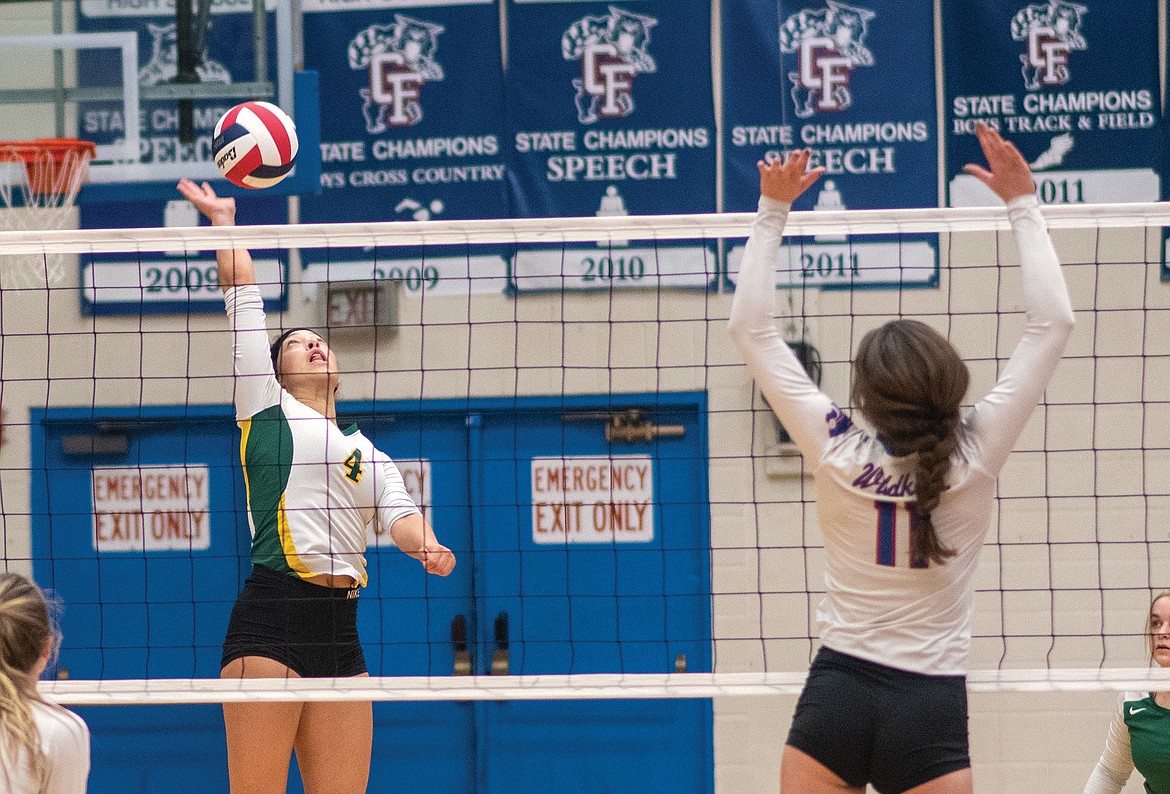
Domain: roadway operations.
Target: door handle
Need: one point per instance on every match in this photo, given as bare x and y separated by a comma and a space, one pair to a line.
459, 640
500, 662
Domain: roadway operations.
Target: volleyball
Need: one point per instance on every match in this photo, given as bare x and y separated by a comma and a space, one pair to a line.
255, 144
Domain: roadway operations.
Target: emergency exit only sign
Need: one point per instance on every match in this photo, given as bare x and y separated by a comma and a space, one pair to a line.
593, 499
151, 508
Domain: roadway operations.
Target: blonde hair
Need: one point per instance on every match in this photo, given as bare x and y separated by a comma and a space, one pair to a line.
25, 627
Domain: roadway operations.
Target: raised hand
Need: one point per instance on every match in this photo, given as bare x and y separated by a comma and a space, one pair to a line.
220, 211
1009, 176
235, 266
787, 180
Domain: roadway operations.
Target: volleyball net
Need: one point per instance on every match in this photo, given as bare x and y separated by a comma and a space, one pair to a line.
564, 403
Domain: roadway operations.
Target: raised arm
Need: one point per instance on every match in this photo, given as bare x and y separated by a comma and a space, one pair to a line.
800, 405
235, 265
999, 418
256, 387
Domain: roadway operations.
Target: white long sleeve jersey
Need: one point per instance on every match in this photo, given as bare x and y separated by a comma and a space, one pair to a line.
880, 605
312, 487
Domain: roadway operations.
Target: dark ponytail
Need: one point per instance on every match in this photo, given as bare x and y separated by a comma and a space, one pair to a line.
909, 383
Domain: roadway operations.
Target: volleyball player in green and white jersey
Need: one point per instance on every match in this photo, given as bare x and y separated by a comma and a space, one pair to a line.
1139, 736
312, 490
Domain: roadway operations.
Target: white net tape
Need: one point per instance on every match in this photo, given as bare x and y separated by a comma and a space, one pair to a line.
549, 687
566, 230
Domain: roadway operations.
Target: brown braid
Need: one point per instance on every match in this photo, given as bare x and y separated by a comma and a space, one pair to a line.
909, 382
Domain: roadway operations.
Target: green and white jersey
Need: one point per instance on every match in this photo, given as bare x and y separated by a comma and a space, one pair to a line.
312, 487
1139, 737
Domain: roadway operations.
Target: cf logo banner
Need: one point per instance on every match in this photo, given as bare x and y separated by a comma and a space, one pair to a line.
1050, 31
400, 58
828, 45
611, 49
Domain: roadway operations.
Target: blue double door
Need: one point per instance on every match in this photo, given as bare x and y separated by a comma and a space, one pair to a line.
510, 486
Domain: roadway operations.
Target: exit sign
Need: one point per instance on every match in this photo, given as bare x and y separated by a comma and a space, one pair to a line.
360, 304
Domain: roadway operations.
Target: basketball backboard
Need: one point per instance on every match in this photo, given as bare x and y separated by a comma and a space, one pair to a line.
117, 87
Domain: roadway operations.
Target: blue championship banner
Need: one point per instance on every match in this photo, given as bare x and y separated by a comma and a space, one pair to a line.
175, 281
854, 83
413, 132
610, 112
1165, 187
1073, 84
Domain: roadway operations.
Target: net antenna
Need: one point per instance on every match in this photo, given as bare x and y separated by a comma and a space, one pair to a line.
39, 183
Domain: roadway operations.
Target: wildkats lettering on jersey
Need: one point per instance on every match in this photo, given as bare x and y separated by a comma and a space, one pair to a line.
875, 478
828, 45
611, 49
1051, 31
400, 58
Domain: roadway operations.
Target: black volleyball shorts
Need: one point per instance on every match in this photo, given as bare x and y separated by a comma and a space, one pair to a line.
308, 628
869, 723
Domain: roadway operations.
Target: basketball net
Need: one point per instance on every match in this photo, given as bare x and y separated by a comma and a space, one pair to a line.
39, 182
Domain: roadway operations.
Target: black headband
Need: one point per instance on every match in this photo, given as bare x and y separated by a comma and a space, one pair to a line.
275, 349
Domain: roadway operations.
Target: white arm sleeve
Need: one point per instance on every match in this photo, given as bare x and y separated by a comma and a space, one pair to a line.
255, 385
1115, 764
999, 418
803, 409
394, 502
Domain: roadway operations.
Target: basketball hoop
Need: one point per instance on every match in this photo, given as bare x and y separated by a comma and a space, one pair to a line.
39, 182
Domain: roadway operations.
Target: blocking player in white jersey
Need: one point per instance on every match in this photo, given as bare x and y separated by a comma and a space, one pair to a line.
312, 489
1139, 735
44, 749
903, 507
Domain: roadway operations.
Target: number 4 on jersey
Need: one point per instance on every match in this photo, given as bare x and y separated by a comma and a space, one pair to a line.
353, 466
